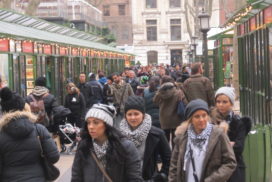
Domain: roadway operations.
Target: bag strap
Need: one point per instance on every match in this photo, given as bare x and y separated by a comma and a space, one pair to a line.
39, 139
193, 164
101, 167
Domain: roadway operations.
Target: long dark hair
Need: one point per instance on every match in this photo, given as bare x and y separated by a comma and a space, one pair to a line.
116, 151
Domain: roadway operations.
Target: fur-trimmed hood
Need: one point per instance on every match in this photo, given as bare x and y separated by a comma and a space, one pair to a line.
17, 124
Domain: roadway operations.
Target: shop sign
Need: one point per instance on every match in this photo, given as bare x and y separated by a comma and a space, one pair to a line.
18, 46
84, 53
62, 51
27, 47
252, 23
75, 52
268, 15
4, 45
47, 49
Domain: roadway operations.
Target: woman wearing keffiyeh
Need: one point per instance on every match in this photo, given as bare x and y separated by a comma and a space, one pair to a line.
149, 140
202, 151
104, 148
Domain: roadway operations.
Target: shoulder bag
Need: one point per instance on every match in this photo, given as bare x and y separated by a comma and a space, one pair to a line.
51, 172
101, 167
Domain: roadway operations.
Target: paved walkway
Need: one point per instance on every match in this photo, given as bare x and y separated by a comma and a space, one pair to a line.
65, 165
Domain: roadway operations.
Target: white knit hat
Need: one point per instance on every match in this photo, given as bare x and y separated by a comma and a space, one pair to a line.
228, 91
103, 112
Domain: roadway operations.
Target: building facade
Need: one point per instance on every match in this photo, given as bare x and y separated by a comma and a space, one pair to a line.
159, 31
117, 15
73, 13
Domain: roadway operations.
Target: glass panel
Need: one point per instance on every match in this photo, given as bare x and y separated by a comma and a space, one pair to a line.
106, 10
174, 3
121, 9
175, 33
151, 3
4, 69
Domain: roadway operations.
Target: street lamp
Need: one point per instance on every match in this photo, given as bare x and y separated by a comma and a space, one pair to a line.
204, 28
194, 44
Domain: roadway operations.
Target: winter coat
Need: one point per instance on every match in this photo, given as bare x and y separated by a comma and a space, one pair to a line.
97, 88
237, 131
219, 162
168, 101
151, 108
20, 151
76, 103
85, 168
120, 93
87, 92
134, 83
50, 103
156, 145
199, 87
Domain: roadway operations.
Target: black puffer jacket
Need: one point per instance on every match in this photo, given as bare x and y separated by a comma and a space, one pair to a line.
156, 145
151, 108
20, 149
85, 168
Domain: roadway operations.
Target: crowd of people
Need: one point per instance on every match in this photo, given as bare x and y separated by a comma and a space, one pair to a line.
150, 124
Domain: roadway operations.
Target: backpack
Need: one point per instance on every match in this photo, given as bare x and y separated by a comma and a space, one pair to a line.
37, 107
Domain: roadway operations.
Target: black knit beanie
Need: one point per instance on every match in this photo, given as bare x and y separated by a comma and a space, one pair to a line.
11, 101
195, 105
135, 102
40, 81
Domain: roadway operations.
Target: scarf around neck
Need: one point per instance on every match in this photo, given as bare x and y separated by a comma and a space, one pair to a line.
39, 91
138, 135
200, 139
101, 150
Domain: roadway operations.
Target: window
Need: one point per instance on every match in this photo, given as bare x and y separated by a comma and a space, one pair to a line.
174, 3
152, 57
151, 3
122, 9
175, 29
106, 10
151, 30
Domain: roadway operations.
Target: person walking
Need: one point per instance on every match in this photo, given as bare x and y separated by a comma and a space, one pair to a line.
97, 89
151, 108
85, 89
40, 92
75, 101
198, 86
150, 141
103, 151
168, 98
132, 80
202, 151
120, 91
237, 127
20, 151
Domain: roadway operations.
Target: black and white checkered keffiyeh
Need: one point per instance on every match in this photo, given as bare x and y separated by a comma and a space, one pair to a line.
138, 135
101, 151
199, 140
